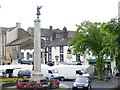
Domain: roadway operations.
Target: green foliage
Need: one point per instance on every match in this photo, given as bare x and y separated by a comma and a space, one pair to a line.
102, 39
89, 37
112, 42
9, 79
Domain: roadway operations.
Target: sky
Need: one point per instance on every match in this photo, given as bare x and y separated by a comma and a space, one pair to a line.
56, 13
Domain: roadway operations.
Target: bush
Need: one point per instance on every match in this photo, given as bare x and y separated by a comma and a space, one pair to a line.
9, 79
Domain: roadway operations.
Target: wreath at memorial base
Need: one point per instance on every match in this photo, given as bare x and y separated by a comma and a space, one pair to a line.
48, 83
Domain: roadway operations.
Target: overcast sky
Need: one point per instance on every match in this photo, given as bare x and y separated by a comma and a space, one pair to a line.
56, 13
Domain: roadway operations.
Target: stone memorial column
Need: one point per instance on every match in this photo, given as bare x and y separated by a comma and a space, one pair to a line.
36, 74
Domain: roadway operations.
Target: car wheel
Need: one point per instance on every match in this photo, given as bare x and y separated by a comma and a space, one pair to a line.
74, 88
62, 78
89, 88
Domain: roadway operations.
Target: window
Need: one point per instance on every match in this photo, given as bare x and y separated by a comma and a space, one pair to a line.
49, 54
61, 49
49, 57
47, 39
58, 35
78, 58
61, 58
22, 55
17, 56
49, 49
28, 55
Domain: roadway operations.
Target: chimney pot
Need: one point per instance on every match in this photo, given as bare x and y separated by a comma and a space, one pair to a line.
18, 25
50, 27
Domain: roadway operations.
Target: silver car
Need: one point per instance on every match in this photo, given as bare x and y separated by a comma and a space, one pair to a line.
82, 83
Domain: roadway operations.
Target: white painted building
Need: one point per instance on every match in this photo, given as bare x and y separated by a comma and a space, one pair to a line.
54, 48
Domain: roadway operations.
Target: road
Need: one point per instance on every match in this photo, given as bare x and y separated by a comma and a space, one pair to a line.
95, 84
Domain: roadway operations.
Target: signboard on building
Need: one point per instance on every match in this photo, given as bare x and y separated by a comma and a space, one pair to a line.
69, 53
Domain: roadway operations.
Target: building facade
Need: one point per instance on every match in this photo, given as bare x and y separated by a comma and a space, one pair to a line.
3, 41
11, 41
54, 46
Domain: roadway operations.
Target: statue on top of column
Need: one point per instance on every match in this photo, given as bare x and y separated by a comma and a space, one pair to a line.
38, 11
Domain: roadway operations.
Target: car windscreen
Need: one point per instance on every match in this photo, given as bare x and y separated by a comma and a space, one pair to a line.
24, 72
81, 80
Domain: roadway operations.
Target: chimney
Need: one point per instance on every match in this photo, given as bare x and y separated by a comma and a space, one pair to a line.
53, 36
18, 25
64, 33
50, 27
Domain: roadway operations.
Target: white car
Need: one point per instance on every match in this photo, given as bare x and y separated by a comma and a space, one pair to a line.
1, 74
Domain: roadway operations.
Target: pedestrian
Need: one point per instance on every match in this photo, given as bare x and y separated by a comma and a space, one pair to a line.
52, 77
109, 75
113, 75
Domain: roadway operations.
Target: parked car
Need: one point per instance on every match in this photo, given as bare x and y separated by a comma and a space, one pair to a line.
24, 73
2, 74
82, 82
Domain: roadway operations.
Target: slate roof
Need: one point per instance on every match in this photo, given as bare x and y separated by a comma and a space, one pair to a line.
47, 33
5, 29
31, 45
60, 42
28, 46
44, 31
71, 34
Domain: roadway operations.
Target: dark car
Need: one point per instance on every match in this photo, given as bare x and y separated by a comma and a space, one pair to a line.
82, 83
24, 73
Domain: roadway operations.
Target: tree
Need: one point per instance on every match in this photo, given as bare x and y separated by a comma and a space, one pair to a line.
112, 39
89, 37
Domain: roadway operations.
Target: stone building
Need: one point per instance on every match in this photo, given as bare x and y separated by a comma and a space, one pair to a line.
3, 41
12, 39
